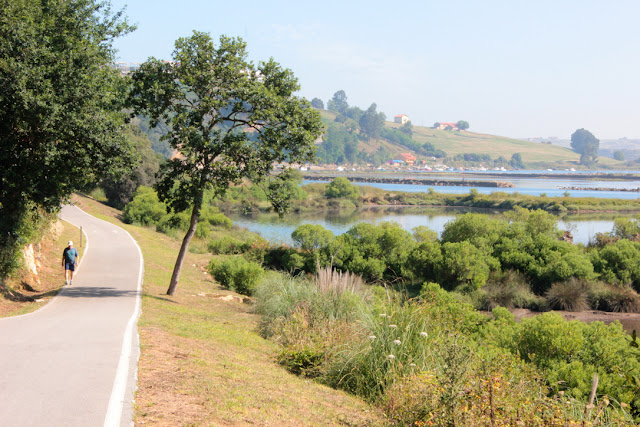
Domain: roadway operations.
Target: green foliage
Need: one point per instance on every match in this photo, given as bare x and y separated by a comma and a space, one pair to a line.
317, 103
375, 252
60, 109
338, 103
584, 143
145, 208
119, 191
464, 265
341, 188
230, 121
228, 245
619, 155
462, 125
619, 262
516, 161
371, 123
626, 228
236, 273
311, 237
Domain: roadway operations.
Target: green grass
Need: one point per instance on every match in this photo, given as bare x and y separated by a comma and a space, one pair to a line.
202, 360
534, 154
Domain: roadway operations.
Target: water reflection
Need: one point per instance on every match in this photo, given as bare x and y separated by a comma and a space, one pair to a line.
270, 226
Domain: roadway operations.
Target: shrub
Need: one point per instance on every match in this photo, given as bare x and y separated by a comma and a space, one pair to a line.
616, 298
618, 262
570, 295
341, 188
236, 273
310, 323
145, 208
509, 289
228, 245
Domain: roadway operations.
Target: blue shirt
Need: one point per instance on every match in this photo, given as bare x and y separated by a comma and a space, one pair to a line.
70, 255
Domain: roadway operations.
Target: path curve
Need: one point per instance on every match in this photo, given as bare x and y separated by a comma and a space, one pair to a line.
73, 362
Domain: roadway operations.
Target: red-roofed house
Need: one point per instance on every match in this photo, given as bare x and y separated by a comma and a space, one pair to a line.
401, 118
445, 126
408, 158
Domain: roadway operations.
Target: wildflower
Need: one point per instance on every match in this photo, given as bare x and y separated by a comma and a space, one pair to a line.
391, 357
372, 337
424, 334
397, 342
393, 326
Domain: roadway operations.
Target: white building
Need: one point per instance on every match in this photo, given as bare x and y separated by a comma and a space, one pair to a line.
401, 118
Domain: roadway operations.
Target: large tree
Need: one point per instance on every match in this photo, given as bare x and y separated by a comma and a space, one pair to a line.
372, 122
229, 121
338, 103
60, 108
586, 144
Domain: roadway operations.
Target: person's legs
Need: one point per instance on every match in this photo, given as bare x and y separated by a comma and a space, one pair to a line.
68, 273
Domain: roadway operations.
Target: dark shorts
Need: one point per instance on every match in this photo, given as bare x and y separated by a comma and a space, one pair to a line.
71, 267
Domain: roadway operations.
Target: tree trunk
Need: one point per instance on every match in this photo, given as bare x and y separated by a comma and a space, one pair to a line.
195, 215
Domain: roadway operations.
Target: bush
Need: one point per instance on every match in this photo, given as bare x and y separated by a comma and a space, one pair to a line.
509, 289
570, 295
228, 245
341, 188
236, 273
145, 208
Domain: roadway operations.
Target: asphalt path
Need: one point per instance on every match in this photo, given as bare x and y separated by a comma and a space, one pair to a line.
73, 362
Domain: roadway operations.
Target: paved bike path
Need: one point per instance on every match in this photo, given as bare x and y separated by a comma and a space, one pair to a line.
73, 362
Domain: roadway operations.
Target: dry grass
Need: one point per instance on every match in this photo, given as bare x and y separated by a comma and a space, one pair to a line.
329, 280
202, 361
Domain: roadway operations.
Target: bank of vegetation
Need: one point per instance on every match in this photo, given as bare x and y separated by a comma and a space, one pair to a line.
341, 194
397, 317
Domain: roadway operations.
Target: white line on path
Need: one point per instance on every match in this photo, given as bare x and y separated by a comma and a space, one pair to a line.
116, 402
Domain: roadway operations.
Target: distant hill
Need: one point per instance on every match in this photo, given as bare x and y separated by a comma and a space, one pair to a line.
535, 155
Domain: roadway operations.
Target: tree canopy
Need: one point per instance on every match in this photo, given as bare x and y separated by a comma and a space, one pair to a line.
586, 144
61, 114
338, 103
229, 121
462, 125
372, 122
317, 103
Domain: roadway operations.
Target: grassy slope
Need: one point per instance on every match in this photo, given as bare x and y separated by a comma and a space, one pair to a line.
202, 362
534, 154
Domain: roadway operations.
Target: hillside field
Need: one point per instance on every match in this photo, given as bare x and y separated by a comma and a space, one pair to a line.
535, 155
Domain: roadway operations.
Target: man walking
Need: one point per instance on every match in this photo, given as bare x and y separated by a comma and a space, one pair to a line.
70, 258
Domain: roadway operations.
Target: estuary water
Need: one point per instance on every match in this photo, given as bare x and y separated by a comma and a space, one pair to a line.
275, 229
552, 187
583, 227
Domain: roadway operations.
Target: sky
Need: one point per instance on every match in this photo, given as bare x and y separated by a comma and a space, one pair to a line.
516, 68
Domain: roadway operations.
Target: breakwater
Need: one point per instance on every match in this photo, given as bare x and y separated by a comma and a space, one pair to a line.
414, 181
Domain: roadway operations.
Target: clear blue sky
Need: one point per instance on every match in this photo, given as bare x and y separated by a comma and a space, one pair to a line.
517, 68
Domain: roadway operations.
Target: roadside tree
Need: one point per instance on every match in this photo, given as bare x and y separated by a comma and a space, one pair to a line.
61, 120
230, 121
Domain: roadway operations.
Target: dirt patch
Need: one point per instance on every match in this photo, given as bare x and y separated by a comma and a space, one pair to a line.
160, 399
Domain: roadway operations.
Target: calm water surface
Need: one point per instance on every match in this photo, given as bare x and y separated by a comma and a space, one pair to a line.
275, 229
